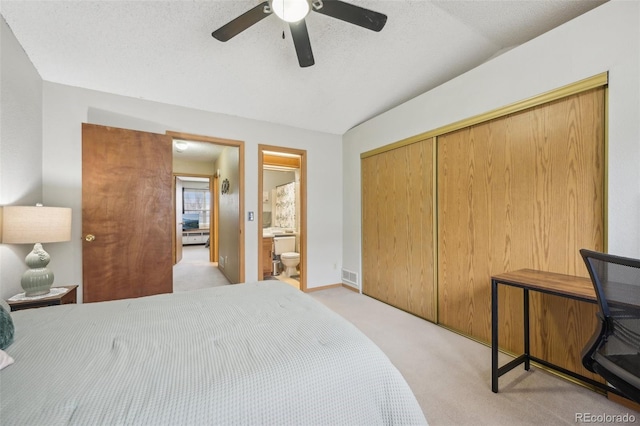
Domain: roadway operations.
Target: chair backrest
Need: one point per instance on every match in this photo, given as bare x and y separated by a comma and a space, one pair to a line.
614, 350
616, 281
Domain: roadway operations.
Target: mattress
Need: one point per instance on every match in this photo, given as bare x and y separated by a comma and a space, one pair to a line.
256, 353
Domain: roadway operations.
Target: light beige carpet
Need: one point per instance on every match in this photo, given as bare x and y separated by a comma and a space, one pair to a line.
451, 374
195, 271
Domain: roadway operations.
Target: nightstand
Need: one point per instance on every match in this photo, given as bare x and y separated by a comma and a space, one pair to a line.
70, 296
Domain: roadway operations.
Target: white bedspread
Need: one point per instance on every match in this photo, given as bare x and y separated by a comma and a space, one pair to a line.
261, 353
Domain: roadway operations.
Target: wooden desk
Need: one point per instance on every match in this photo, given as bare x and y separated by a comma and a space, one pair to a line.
577, 288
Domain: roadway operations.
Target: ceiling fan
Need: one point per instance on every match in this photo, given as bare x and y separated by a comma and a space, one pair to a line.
294, 12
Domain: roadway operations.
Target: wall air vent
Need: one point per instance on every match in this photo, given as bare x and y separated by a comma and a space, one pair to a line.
350, 278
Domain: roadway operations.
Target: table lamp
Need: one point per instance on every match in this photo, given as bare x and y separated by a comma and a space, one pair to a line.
36, 225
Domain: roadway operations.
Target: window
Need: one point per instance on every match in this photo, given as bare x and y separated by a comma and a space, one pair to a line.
197, 201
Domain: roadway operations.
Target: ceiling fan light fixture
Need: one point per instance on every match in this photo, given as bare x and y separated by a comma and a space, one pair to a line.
294, 12
290, 10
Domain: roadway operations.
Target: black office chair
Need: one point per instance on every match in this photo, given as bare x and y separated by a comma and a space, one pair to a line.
614, 350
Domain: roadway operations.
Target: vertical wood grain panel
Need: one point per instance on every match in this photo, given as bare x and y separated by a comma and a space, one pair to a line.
577, 220
370, 212
397, 227
522, 191
463, 206
420, 287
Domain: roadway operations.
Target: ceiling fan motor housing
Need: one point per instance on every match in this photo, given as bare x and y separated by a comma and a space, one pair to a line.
294, 12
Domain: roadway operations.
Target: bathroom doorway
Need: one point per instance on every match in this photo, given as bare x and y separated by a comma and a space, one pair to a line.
282, 213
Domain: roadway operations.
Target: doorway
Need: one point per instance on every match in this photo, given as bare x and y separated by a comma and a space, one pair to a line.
220, 222
194, 216
282, 185
195, 264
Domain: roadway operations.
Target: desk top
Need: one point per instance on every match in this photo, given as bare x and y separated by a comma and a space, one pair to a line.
579, 288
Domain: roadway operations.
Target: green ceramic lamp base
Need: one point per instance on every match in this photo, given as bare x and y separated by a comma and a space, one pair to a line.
37, 280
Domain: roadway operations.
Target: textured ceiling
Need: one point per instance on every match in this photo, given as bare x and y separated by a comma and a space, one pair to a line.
163, 51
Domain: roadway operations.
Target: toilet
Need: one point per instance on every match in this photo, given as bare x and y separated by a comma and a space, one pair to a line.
290, 260
285, 247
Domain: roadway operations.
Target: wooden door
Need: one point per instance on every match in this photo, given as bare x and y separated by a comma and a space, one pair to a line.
398, 240
127, 206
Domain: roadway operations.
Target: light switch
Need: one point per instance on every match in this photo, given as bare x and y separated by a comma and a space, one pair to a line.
251, 216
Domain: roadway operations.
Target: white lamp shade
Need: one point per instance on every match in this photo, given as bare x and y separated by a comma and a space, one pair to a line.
35, 224
290, 10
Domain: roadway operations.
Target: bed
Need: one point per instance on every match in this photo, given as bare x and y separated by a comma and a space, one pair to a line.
256, 353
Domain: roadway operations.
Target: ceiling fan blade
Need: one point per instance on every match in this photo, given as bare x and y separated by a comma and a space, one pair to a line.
241, 23
302, 43
353, 14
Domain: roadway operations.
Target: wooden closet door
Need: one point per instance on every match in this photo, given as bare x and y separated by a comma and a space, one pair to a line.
522, 191
397, 235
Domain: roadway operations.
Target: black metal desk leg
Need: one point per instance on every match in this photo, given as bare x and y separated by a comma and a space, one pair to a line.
526, 329
494, 336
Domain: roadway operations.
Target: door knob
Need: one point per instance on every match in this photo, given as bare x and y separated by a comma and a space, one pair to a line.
90, 237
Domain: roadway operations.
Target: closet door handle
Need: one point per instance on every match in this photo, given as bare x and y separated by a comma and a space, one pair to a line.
89, 238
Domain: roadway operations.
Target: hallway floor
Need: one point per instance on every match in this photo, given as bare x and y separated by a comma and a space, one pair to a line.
195, 271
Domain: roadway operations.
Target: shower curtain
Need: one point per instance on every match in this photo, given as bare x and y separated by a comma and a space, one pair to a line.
285, 211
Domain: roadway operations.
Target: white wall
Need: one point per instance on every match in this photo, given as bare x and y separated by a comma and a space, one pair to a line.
65, 108
604, 39
189, 167
20, 148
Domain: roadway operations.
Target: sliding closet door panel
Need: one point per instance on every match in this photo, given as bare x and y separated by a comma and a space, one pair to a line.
522, 191
416, 248
574, 186
464, 210
398, 235
370, 219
